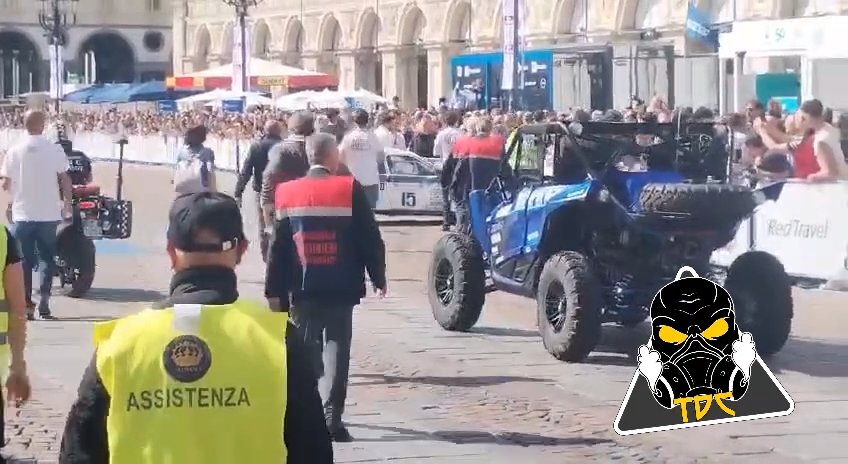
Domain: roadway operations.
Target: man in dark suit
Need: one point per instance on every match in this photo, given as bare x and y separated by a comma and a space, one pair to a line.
254, 166
325, 239
286, 161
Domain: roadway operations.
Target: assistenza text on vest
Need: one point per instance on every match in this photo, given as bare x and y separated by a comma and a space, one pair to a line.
188, 397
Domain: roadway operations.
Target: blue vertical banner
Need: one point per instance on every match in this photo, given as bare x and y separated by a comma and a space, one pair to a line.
699, 27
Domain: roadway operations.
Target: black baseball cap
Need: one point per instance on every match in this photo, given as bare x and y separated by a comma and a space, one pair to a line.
213, 212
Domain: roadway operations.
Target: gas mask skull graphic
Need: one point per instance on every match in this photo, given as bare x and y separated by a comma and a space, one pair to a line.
696, 347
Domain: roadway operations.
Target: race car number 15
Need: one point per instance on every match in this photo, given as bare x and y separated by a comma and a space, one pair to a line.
408, 199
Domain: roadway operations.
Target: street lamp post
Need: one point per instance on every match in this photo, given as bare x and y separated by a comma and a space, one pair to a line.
56, 17
242, 7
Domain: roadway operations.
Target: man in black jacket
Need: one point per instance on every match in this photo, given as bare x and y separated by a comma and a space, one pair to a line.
254, 166
198, 223
324, 240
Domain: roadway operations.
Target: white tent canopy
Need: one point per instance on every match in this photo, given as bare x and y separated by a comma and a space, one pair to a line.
256, 68
329, 99
215, 98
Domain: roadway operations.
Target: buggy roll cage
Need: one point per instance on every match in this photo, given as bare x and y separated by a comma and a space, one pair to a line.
672, 135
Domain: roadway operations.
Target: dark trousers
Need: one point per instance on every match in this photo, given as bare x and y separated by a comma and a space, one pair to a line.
39, 236
327, 331
260, 222
463, 217
447, 216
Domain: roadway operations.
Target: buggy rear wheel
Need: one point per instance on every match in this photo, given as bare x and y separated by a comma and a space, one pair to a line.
762, 299
456, 282
569, 307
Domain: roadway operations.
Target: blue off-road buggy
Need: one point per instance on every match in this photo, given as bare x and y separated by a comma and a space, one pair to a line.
597, 224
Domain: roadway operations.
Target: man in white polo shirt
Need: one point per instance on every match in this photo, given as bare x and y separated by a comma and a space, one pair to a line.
35, 173
361, 151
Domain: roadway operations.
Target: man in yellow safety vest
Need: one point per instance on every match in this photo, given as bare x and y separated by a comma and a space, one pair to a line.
13, 320
205, 376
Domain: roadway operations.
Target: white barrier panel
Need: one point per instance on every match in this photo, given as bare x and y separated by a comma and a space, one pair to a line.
145, 149
806, 229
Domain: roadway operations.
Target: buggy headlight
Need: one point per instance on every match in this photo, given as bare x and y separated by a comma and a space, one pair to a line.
603, 195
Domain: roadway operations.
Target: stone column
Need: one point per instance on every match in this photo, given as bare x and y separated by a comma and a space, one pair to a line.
348, 69
392, 76
311, 62
438, 70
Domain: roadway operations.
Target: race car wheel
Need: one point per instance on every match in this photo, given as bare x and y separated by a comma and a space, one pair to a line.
457, 282
762, 299
77, 255
710, 202
569, 307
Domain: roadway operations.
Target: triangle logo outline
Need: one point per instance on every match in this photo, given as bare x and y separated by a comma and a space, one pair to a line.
728, 420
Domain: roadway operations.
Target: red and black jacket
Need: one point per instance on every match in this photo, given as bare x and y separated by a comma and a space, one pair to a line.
324, 240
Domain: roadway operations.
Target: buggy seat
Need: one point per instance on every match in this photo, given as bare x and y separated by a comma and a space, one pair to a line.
87, 190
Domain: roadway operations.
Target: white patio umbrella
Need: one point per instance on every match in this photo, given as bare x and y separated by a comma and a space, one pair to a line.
251, 99
215, 97
295, 101
365, 98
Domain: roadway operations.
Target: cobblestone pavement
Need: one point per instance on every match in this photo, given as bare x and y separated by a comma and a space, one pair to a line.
422, 395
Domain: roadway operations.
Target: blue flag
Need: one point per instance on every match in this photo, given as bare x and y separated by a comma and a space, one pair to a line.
699, 28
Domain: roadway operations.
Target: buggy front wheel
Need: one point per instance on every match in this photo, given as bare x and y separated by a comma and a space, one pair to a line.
569, 307
456, 283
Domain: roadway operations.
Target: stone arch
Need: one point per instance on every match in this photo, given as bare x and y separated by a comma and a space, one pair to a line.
367, 29
260, 44
115, 56
201, 47
17, 45
226, 41
568, 17
329, 34
295, 36
497, 20
650, 14
457, 26
412, 23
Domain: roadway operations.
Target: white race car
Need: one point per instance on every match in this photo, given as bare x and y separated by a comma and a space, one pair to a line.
409, 184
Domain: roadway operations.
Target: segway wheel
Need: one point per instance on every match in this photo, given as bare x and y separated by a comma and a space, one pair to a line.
80, 265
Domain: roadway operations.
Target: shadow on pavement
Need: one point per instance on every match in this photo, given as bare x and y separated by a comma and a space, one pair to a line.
817, 358
478, 381
506, 332
464, 437
124, 295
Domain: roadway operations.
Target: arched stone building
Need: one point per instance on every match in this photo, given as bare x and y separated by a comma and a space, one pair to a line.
405, 48
129, 42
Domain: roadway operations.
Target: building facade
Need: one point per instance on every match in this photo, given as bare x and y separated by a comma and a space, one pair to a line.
602, 51
111, 41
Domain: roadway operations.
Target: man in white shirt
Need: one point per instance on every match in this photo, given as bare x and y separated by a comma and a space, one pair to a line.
388, 133
361, 151
35, 173
443, 146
